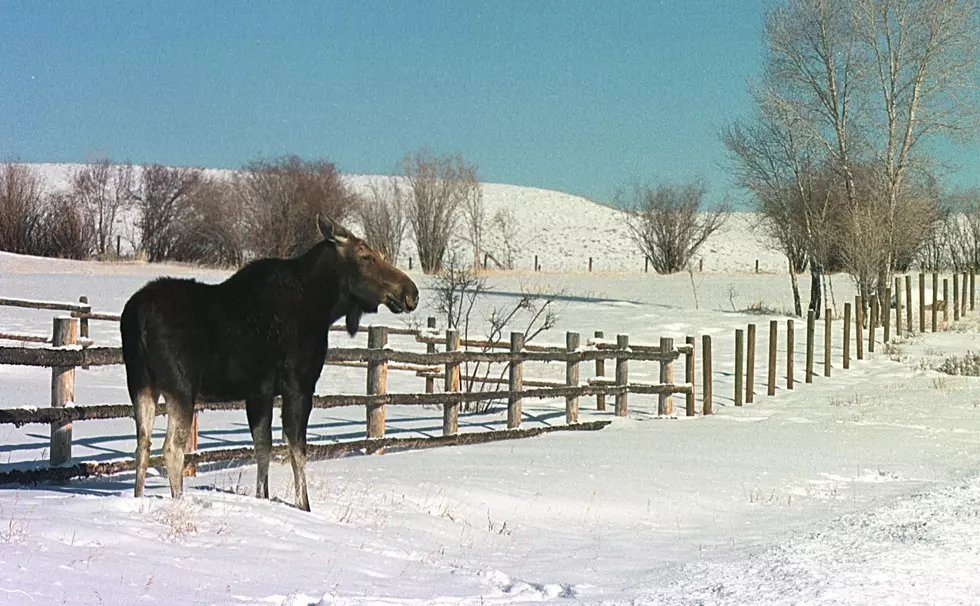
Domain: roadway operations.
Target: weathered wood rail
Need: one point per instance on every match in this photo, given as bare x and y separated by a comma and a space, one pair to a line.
378, 358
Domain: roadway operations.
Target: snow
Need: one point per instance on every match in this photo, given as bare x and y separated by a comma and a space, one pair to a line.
861, 488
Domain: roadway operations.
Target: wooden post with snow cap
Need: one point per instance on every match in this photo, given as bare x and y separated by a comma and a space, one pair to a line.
935, 302
664, 403
750, 365
706, 375
62, 390
450, 412
622, 376
739, 352
771, 375
430, 382
83, 322
514, 402
600, 371
689, 377
847, 337
908, 304
790, 354
377, 382
572, 341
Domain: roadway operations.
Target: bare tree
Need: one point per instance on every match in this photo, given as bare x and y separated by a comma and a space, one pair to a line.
66, 229
922, 64
102, 190
961, 231
503, 243
211, 229
21, 208
161, 195
280, 196
668, 225
475, 214
381, 215
440, 189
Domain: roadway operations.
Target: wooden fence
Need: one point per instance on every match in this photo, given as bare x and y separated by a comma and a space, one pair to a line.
67, 352
898, 302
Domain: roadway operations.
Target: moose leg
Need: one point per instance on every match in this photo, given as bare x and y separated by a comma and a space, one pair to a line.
296, 408
259, 412
180, 415
144, 410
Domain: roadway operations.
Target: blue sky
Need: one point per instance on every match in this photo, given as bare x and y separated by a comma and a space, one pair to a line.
582, 97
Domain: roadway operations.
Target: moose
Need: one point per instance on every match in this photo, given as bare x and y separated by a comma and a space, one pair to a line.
260, 333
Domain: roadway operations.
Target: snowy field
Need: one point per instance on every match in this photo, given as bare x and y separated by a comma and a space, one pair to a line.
862, 488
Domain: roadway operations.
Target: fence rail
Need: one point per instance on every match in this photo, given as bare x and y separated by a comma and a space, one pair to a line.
377, 358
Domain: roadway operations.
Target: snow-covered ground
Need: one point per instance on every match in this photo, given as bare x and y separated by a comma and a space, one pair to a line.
862, 488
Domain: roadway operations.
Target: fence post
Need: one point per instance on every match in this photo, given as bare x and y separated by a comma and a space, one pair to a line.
450, 412
430, 348
886, 315
600, 371
810, 326
898, 306
963, 297
973, 275
908, 303
756, 266
62, 389
689, 376
377, 382
739, 353
827, 340
922, 303
83, 322
935, 302
701, 265
771, 375
515, 402
118, 246
622, 376
409, 263
646, 264
664, 400
790, 353
945, 302
859, 327
847, 336
706, 375
956, 297
750, 365
872, 325
590, 264
572, 341
536, 266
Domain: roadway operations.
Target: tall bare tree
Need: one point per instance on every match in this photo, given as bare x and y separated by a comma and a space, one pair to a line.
668, 224
21, 208
282, 196
440, 188
101, 190
161, 194
381, 214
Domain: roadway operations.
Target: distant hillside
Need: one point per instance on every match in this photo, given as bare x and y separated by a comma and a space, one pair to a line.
562, 229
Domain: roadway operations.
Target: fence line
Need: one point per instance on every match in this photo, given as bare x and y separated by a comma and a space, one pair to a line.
377, 358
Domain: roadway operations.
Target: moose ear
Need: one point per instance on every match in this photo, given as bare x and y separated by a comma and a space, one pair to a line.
330, 231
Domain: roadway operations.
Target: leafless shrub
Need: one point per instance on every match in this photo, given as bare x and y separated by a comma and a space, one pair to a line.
439, 189
102, 189
503, 244
382, 217
668, 225
67, 231
281, 196
211, 230
21, 209
961, 229
458, 290
161, 195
